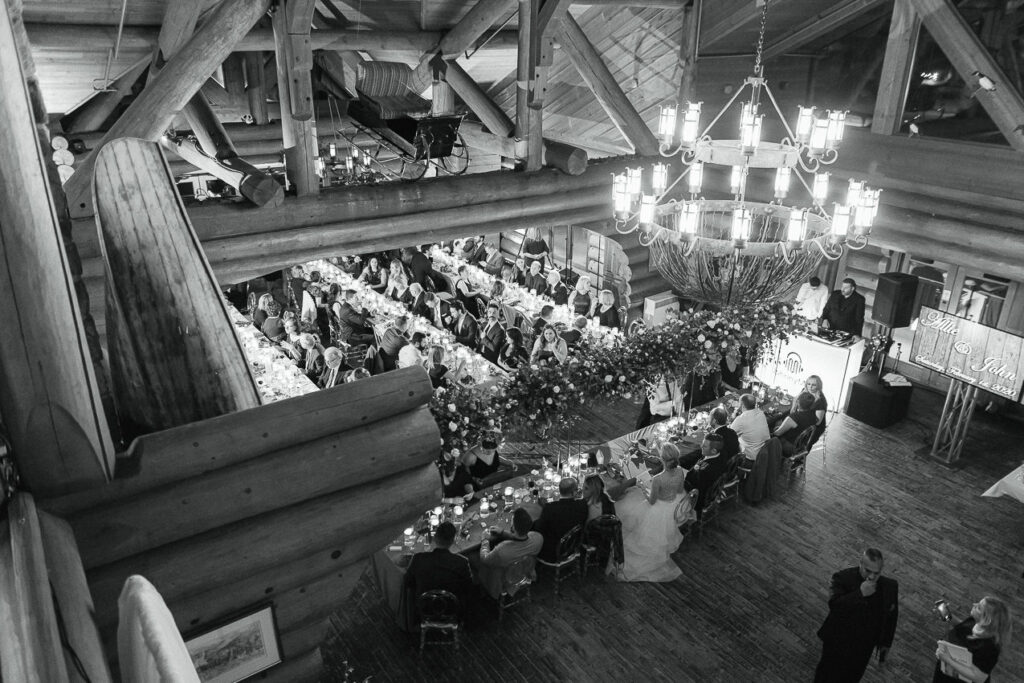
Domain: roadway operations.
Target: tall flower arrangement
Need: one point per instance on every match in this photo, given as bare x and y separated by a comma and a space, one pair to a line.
463, 416
544, 395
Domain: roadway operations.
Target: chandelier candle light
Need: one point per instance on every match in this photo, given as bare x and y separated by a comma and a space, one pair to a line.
746, 251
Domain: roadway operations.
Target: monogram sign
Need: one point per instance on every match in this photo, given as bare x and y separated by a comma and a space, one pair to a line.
962, 349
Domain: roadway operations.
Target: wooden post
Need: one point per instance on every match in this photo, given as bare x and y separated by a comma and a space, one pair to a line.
174, 357
156, 106
234, 78
295, 90
49, 395
256, 87
688, 41
897, 69
969, 56
606, 89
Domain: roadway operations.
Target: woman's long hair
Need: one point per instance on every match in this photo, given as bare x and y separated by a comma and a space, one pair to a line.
597, 492
995, 623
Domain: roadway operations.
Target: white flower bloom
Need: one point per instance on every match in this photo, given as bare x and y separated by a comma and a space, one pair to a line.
451, 407
555, 389
701, 337
452, 426
607, 378
622, 378
707, 344
549, 401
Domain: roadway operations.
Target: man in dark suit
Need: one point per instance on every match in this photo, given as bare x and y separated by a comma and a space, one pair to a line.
535, 280
544, 319
492, 335
440, 569
392, 341
436, 310
464, 326
419, 266
559, 517
353, 325
414, 300
708, 470
844, 310
720, 426
863, 607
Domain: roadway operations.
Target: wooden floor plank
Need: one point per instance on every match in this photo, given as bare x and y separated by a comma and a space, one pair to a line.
754, 588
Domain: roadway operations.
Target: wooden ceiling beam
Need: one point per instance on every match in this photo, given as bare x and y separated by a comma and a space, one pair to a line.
969, 56
93, 113
152, 112
819, 25
606, 89
733, 16
652, 4
292, 22
142, 39
897, 69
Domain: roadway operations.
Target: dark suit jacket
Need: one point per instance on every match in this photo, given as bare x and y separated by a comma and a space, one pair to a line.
495, 263
704, 475
539, 324
420, 269
491, 340
392, 341
849, 614
466, 331
443, 311
538, 282
517, 276
416, 305
439, 569
557, 518
732, 442
846, 314
350, 321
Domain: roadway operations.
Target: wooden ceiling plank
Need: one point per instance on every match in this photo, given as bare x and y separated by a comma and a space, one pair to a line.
897, 69
595, 74
735, 16
153, 110
92, 113
968, 56
657, 4
819, 25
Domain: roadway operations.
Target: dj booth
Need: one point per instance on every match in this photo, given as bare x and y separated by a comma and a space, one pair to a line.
835, 360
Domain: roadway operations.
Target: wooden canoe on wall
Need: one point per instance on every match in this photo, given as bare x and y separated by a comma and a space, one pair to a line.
174, 355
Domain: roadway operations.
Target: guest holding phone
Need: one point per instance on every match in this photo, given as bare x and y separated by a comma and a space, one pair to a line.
984, 634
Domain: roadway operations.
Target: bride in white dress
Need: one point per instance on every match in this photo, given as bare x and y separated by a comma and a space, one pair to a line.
650, 523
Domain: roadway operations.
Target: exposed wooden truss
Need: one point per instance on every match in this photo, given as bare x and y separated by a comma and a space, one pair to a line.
897, 69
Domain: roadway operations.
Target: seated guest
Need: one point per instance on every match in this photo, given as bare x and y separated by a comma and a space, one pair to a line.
547, 311
751, 427
437, 310
573, 335
492, 335
464, 326
549, 347
598, 502
486, 461
456, 480
814, 387
465, 293
494, 263
398, 282
374, 275
719, 426
410, 354
579, 298
414, 300
506, 274
435, 366
501, 548
605, 311
273, 326
392, 341
440, 569
313, 363
708, 470
796, 422
498, 294
512, 353
558, 517
556, 289
334, 370
356, 375
351, 265
699, 389
260, 315
733, 367
535, 280
517, 274
353, 325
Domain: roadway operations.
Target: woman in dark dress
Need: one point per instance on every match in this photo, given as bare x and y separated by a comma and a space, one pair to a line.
985, 634
486, 462
436, 367
513, 352
579, 297
375, 276
605, 311
733, 367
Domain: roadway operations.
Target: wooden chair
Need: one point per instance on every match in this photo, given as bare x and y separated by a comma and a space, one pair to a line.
801, 449
567, 556
439, 618
731, 487
602, 539
515, 583
710, 506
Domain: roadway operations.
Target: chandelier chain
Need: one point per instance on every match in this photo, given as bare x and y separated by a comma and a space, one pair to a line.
758, 69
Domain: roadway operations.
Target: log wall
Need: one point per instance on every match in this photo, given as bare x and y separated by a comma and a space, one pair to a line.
283, 503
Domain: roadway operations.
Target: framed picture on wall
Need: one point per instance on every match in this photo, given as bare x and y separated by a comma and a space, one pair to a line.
236, 649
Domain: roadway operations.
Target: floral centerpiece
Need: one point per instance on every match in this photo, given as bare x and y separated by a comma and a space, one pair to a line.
544, 396
463, 417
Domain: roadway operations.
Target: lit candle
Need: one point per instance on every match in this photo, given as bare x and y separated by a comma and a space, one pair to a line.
509, 491
434, 521
409, 536
485, 507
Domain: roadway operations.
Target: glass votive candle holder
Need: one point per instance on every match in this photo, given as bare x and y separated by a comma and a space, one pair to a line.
410, 537
438, 511
509, 491
485, 507
434, 521
457, 510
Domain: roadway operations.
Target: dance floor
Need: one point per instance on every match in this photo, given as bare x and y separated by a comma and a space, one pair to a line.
755, 587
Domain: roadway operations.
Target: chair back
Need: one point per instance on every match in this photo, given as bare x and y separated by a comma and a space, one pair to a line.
438, 606
607, 529
803, 442
519, 574
711, 499
569, 544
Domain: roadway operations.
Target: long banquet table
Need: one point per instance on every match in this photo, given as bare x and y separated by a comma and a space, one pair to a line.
277, 377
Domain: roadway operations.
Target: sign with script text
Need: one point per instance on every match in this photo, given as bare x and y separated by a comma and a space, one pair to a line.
962, 349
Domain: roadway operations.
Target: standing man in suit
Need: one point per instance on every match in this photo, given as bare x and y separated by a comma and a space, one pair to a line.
419, 266
492, 335
844, 310
557, 518
863, 607
440, 569
464, 326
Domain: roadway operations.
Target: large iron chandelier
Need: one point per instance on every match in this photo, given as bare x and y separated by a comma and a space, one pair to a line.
723, 251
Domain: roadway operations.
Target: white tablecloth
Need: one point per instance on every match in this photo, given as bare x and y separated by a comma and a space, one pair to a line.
1011, 485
